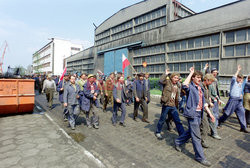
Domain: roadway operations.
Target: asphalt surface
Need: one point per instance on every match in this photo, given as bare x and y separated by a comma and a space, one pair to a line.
136, 145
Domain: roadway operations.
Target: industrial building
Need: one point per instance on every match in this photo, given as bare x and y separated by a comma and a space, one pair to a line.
165, 33
51, 57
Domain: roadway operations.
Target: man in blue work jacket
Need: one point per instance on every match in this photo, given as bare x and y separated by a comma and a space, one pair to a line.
193, 112
71, 101
235, 102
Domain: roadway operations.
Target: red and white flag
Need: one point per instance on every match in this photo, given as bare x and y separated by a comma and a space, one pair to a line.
64, 71
125, 62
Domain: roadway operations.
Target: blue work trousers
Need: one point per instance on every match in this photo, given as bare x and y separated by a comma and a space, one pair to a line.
194, 133
123, 108
176, 118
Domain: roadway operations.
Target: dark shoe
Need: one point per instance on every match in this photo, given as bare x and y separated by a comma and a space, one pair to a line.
204, 145
244, 130
96, 126
216, 137
122, 124
135, 119
205, 163
177, 147
145, 120
114, 124
158, 136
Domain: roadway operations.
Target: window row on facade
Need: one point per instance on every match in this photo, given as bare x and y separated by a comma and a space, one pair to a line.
150, 59
182, 12
150, 50
122, 27
238, 36
150, 16
151, 68
103, 34
151, 25
82, 61
184, 67
237, 50
205, 41
122, 34
194, 55
80, 67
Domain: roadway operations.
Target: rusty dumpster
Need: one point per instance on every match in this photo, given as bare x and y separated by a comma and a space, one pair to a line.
16, 95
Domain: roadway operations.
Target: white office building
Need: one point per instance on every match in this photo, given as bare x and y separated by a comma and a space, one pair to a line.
50, 58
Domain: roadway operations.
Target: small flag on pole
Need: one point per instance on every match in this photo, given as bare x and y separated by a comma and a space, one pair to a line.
64, 71
125, 62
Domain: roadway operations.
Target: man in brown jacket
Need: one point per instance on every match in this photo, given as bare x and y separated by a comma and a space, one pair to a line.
108, 90
169, 101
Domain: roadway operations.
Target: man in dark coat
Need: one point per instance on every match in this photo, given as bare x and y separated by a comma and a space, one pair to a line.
140, 94
89, 102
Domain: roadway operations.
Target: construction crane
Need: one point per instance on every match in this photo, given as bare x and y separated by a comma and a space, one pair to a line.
1, 60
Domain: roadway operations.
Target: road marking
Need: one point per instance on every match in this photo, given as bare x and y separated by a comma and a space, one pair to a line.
87, 153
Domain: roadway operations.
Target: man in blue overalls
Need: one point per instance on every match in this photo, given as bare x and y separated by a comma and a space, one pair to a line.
193, 112
235, 103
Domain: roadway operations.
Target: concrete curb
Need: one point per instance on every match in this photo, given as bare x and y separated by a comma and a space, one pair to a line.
87, 153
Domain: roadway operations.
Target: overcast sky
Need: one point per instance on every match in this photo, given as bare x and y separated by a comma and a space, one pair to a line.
28, 24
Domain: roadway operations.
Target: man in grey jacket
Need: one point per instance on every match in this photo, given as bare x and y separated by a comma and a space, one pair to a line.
71, 101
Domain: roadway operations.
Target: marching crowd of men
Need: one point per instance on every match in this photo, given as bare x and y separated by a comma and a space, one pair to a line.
198, 98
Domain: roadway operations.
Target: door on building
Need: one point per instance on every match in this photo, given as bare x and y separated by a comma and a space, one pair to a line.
113, 61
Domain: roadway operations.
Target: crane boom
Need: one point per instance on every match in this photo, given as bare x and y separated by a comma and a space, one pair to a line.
1, 61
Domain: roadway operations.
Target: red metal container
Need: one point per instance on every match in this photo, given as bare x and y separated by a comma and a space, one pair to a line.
16, 95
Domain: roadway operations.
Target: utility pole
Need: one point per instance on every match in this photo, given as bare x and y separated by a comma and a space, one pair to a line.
1, 61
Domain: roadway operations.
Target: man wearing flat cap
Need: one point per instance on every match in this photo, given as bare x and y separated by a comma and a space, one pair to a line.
108, 90
140, 94
90, 103
60, 89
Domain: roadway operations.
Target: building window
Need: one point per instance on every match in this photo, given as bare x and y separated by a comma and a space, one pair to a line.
229, 51
197, 42
206, 41
214, 64
198, 54
177, 45
183, 55
176, 56
215, 53
190, 43
248, 34
189, 65
183, 44
206, 54
183, 66
215, 39
248, 49
190, 55
240, 50
229, 37
197, 66
171, 46
170, 57
176, 67
240, 35
171, 67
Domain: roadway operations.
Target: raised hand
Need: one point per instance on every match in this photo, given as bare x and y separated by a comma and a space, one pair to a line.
167, 71
191, 69
239, 68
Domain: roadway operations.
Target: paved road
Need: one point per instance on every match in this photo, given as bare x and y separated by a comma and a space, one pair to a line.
136, 145
31, 140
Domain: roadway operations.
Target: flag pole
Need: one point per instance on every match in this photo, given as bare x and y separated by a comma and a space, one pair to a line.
133, 69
